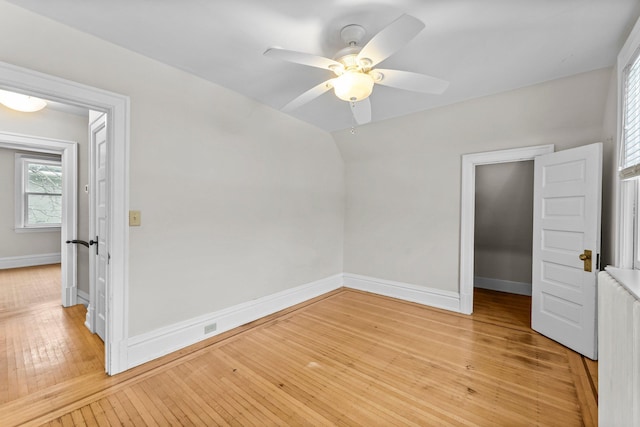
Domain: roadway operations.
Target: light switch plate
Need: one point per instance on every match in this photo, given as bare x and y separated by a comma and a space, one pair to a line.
134, 218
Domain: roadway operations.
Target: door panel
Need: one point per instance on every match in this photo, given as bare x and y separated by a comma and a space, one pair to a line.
98, 212
567, 203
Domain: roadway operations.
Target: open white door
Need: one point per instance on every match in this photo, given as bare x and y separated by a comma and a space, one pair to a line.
99, 256
566, 246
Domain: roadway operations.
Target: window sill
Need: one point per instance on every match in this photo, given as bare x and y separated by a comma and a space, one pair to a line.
628, 278
36, 229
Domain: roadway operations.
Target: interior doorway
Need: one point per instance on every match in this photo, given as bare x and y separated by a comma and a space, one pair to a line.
68, 152
116, 107
467, 213
503, 237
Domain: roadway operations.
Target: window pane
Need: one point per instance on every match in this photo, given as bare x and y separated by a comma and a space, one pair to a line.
44, 209
631, 120
44, 178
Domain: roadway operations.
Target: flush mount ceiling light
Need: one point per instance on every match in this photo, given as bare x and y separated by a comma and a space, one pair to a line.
354, 65
19, 102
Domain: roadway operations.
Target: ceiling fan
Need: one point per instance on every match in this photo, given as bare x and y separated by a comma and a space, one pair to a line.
354, 67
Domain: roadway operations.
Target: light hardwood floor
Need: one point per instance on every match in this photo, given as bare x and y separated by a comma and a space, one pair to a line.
41, 343
346, 358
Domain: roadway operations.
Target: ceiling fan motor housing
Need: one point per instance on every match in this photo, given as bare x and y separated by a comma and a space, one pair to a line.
352, 34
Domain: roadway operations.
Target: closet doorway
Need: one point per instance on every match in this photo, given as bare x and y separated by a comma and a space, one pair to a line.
503, 229
468, 206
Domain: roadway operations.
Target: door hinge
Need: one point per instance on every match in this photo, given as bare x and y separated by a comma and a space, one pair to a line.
108, 258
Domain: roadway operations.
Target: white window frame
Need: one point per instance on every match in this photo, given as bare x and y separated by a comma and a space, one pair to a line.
635, 189
21, 203
628, 240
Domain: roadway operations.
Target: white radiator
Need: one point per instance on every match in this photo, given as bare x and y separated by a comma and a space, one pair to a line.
618, 354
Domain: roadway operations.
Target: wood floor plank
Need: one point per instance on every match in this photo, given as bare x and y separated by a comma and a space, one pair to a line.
147, 414
109, 412
132, 412
222, 412
347, 358
98, 414
87, 415
67, 420
153, 389
77, 419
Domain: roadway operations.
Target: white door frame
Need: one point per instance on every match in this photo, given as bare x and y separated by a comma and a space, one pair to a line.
117, 108
68, 152
468, 209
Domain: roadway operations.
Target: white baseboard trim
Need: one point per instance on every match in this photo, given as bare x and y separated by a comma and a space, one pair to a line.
519, 288
446, 300
29, 260
151, 345
83, 298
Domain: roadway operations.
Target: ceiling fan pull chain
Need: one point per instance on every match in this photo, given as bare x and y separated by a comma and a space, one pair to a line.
353, 120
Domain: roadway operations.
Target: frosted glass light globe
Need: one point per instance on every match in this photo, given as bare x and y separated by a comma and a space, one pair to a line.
19, 102
353, 86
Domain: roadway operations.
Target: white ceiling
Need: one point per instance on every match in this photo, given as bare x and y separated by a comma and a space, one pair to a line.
480, 46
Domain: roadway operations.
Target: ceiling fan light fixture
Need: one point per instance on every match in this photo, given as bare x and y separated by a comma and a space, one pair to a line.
353, 86
20, 102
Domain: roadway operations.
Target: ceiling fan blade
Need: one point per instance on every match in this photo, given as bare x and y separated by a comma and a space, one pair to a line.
309, 95
409, 81
361, 111
303, 58
390, 39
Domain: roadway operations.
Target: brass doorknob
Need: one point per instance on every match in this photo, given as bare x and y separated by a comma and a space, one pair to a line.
586, 257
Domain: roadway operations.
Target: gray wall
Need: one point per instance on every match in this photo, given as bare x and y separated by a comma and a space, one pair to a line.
402, 176
504, 221
50, 124
238, 200
16, 243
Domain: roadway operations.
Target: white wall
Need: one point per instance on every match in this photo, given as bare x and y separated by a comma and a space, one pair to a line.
238, 200
403, 175
46, 123
504, 221
610, 172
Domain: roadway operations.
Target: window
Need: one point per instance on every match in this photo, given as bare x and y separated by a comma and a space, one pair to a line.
630, 131
630, 147
628, 239
38, 192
